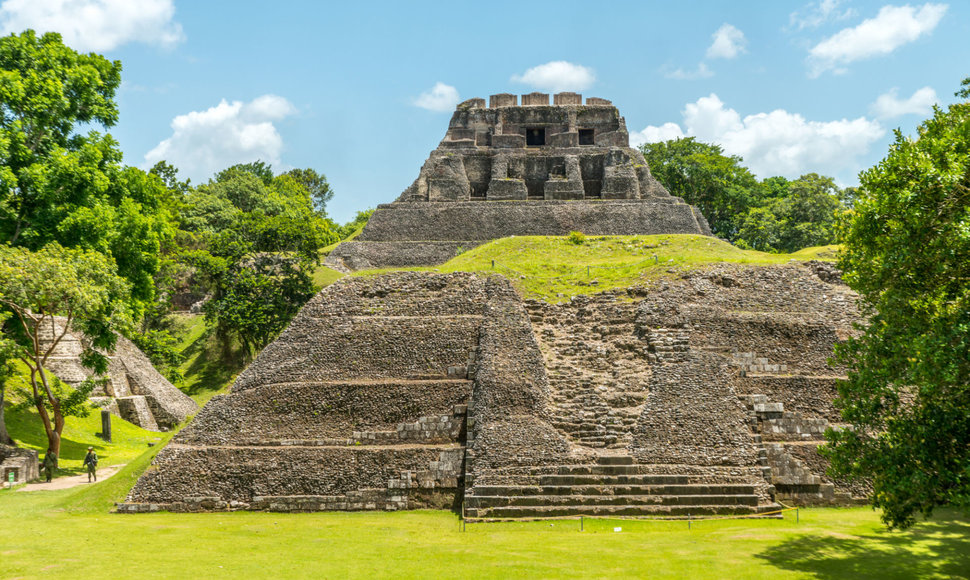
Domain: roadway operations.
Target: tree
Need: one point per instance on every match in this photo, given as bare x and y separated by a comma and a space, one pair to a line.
907, 254
7, 355
717, 184
50, 292
316, 184
258, 242
46, 89
810, 212
357, 224
59, 185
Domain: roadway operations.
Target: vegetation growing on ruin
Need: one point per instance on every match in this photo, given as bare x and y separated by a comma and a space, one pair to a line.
555, 269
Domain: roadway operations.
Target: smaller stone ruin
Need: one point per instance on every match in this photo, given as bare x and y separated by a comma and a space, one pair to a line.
134, 390
21, 464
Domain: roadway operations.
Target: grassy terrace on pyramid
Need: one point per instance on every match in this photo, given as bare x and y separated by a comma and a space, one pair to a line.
703, 391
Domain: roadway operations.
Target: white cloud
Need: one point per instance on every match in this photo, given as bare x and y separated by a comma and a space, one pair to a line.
893, 27
557, 76
204, 142
95, 25
889, 105
653, 134
816, 14
775, 143
728, 42
441, 97
702, 72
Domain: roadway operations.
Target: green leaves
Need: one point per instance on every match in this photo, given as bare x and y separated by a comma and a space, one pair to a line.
775, 215
907, 253
57, 185
259, 239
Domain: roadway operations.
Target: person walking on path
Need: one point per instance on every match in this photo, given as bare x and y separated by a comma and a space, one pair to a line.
91, 462
50, 461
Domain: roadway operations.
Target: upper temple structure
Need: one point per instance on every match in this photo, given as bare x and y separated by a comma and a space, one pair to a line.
526, 168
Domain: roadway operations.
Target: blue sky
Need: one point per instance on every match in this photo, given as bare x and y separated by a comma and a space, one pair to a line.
363, 91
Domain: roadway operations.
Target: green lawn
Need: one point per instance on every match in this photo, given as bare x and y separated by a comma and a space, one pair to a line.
554, 269
54, 537
128, 440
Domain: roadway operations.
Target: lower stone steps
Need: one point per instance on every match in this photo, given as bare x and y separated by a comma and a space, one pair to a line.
527, 512
609, 500
614, 490
600, 479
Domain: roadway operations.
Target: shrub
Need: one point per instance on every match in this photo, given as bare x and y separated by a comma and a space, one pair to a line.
577, 238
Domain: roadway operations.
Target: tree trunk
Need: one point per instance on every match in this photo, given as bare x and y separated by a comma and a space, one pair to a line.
5, 438
53, 437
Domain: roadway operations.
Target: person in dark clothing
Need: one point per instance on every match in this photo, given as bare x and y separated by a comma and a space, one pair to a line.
50, 461
91, 462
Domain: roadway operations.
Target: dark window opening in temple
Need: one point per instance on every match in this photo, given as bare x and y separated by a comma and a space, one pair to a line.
535, 137
586, 137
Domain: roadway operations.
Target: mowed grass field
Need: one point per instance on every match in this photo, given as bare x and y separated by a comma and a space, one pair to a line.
51, 534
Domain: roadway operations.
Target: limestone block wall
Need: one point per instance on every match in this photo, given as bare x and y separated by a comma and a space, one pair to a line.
488, 221
508, 414
352, 256
691, 416
277, 413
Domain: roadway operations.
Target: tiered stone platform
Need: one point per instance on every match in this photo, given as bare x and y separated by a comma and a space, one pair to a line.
134, 390
704, 393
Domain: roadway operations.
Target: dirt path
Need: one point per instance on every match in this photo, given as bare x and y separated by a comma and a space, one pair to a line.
70, 480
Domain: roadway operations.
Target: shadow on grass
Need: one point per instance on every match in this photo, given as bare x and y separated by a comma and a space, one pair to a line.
936, 548
211, 367
26, 428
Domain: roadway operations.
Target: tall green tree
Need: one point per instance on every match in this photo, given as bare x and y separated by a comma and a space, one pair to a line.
59, 185
7, 356
50, 292
718, 184
257, 245
907, 254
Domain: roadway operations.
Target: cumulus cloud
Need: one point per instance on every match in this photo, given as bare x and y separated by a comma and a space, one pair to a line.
701, 72
557, 76
893, 27
816, 14
889, 105
441, 97
204, 142
95, 25
775, 143
728, 43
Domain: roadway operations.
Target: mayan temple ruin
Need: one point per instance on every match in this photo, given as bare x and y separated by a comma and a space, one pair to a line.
512, 169
703, 392
132, 389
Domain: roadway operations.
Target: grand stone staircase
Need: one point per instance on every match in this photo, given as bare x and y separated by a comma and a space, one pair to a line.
597, 373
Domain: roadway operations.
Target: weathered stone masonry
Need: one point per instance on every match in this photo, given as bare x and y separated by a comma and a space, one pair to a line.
134, 390
701, 394
534, 169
